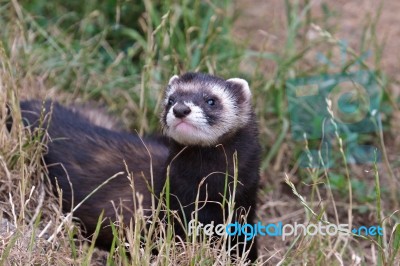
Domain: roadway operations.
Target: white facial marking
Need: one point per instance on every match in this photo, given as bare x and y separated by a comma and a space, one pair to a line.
194, 129
244, 84
173, 78
190, 130
171, 88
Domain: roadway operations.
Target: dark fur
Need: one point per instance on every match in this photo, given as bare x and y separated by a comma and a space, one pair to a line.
90, 154
195, 163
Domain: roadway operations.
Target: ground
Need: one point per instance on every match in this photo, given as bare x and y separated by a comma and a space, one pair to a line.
263, 25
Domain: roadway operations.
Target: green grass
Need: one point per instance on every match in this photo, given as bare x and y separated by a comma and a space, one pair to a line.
121, 54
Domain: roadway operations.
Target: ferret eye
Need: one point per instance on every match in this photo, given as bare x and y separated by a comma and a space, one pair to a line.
171, 101
211, 102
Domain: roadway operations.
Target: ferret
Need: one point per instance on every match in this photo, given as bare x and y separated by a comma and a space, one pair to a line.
83, 153
205, 121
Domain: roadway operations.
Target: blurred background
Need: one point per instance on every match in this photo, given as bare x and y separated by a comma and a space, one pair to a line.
119, 55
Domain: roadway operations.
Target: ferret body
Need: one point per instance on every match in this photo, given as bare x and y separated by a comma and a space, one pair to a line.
81, 156
205, 120
208, 119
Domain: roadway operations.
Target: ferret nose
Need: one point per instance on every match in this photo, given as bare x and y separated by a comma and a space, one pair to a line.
181, 110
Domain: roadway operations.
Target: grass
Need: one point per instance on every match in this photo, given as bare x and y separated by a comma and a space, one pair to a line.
121, 54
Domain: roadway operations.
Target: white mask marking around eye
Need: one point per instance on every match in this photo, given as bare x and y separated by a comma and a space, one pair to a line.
231, 117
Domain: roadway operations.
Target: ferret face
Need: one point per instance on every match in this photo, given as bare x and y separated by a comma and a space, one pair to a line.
201, 109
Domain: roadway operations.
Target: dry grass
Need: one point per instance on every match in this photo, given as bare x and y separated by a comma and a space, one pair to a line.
47, 61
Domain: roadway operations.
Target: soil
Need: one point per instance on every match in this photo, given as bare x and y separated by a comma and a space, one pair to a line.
262, 23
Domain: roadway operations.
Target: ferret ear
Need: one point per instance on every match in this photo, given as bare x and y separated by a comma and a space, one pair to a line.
172, 79
241, 86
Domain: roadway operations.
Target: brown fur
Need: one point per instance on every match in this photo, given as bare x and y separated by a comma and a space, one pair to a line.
86, 155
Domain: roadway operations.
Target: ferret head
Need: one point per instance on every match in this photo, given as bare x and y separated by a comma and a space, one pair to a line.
201, 109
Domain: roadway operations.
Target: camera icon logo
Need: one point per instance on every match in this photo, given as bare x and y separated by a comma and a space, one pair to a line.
344, 103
